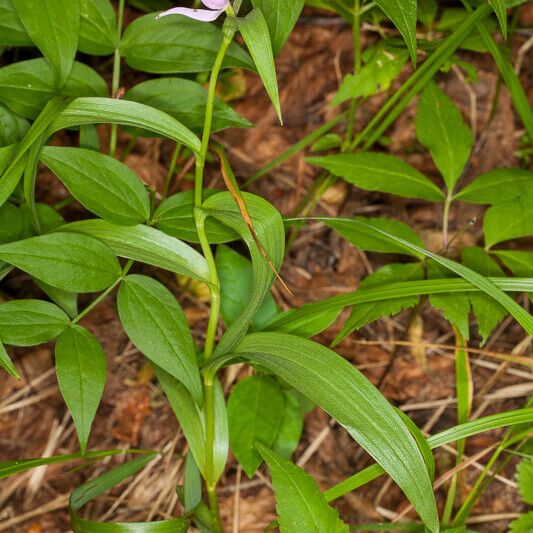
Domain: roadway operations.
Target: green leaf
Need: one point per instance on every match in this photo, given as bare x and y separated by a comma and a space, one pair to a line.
373, 171
68, 301
236, 280
365, 313
441, 129
342, 391
12, 32
498, 185
102, 184
67, 261
376, 76
30, 322
10, 223
189, 106
427, 11
175, 216
270, 232
192, 485
364, 240
255, 410
281, 17
509, 220
146, 245
50, 219
488, 312
299, 503
403, 15
27, 86
6, 363
518, 262
291, 427
81, 373
524, 474
254, 30
176, 44
523, 524
112, 111
501, 12
98, 27
192, 421
12, 127
53, 25
9, 468
156, 324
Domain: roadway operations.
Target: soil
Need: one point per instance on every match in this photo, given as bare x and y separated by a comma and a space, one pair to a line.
134, 414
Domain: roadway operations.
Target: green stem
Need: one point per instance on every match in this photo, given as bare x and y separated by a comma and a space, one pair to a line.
115, 84
446, 221
172, 169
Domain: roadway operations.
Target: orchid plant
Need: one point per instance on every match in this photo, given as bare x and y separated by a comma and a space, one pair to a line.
192, 234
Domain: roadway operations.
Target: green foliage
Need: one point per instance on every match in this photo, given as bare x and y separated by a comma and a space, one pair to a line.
98, 24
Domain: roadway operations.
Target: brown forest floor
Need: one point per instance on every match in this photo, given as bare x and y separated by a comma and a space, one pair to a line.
33, 418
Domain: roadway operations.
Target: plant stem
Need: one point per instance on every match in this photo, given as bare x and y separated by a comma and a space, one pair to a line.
446, 221
214, 284
115, 84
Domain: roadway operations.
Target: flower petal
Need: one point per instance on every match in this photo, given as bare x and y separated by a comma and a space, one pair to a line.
216, 4
204, 15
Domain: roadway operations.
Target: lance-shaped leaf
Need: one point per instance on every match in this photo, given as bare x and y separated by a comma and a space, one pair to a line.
81, 374
30, 322
68, 261
12, 127
12, 32
500, 8
342, 391
53, 26
98, 28
156, 324
6, 363
145, 244
102, 184
299, 503
254, 30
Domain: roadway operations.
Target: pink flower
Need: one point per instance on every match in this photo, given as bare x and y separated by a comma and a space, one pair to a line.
204, 15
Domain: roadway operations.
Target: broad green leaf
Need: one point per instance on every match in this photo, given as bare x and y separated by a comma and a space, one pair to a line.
255, 410
156, 324
185, 100
441, 129
455, 307
9, 468
30, 322
254, 30
27, 86
509, 220
498, 185
376, 76
281, 17
403, 15
6, 363
270, 232
71, 262
342, 391
175, 217
68, 301
176, 44
192, 484
146, 245
97, 28
50, 219
112, 111
53, 25
291, 426
365, 313
523, 524
12, 127
374, 171
501, 12
520, 263
488, 312
12, 32
10, 223
459, 432
81, 373
102, 184
299, 503
236, 280
192, 421
357, 236
524, 474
